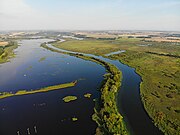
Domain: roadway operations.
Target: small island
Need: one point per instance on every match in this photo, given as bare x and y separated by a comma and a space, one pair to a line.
69, 98
87, 95
74, 119
45, 89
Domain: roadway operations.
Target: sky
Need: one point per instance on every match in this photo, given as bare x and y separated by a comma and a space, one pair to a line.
90, 15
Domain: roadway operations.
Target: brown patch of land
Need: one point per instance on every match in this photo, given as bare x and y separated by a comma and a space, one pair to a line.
3, 43
167, 39
97, 35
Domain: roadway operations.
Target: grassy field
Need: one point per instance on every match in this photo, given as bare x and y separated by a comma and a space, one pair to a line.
102, 47
88, 46
6, 52
158, 64
45, 89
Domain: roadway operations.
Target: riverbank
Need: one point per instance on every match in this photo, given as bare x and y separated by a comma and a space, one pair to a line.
6, 52
42, 90
106, 114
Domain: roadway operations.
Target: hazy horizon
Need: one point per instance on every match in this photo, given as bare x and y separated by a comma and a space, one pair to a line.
153, 15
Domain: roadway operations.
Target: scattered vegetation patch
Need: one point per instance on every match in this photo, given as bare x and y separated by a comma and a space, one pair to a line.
74, 119
88, 95
69, 98
30, 67
42, 59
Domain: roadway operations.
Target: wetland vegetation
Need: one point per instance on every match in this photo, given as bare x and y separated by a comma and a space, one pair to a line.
45, 89
90, 67
6, 51
159, 66
42, 59
74, 119
159, 88
88, 95
106, 114
69, 98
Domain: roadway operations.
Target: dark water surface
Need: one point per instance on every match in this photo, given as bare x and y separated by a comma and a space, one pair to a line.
35, 67
129, 101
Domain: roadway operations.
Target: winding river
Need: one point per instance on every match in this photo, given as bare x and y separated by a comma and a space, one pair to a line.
35, 67
129, 101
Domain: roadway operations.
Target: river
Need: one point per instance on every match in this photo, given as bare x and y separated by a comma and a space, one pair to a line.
35, 67
128, 99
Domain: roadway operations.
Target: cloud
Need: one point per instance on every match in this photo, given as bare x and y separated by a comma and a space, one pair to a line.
14, 7
109, 14
16, 14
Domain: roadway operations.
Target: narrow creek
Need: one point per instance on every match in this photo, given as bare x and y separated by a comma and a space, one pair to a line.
129, 101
